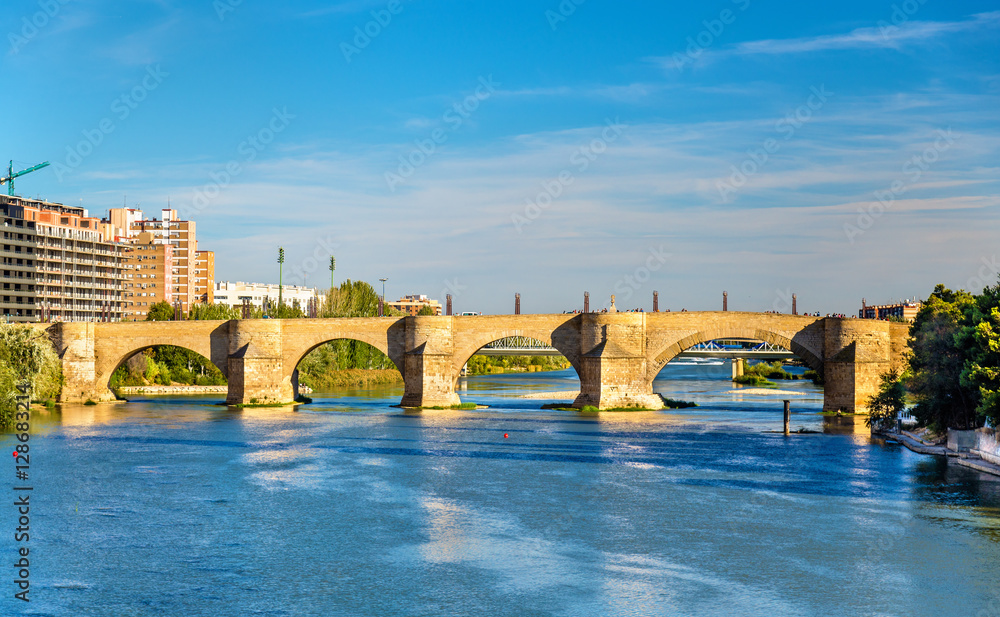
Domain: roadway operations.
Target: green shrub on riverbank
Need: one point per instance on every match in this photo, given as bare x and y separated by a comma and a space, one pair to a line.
762, 373
753, 380
165, 365
325, 381
485, 365
26, 354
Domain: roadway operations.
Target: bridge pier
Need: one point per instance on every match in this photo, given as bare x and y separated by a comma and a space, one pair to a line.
256, 367
428, 362
74, 343
737, 367
858, 352
613, 362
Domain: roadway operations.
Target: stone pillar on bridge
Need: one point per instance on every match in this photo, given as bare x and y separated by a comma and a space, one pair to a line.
857, 353
256, 369
737, 367
613, 362
74, 342
428, 362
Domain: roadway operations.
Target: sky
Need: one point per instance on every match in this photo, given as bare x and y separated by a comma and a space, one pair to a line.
843, 151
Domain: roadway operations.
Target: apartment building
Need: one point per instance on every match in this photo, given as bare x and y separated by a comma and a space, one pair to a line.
57, 265
204, 277
412, 304
192, 273
150, 269
905, 309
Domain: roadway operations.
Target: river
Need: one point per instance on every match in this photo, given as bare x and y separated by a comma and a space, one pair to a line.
349, 506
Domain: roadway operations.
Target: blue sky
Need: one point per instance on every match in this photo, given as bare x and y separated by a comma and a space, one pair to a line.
842, 151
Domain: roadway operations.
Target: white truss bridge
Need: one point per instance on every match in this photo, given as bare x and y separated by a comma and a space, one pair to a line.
728, 348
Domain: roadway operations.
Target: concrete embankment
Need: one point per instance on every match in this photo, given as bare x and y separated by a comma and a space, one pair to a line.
970, 459
182, 389
126, 390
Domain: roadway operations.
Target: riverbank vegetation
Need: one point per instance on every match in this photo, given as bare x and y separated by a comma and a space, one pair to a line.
487, 365
955, 362
26, 355
885, 406
761, 374
166, 365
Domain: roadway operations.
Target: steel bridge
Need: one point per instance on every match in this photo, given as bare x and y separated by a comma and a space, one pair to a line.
726, 348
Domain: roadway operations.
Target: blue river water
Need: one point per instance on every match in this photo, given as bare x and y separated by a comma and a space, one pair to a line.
350, 506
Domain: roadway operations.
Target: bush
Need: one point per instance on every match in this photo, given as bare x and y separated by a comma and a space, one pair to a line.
752, 380
884, 407
26, 354
816, 377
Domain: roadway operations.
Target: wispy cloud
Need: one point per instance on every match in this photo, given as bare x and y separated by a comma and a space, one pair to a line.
625, 93
885, 35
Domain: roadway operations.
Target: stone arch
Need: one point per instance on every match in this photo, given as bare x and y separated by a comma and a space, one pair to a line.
660, 357
105, 370
569, 347
115, 343
302, 338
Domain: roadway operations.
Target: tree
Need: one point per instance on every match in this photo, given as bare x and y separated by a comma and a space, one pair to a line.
161, 311
426, 310
980, 339
938, 361
26, 354
885, 406
217, 311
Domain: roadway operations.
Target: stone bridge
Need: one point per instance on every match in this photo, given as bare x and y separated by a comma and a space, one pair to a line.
616, 355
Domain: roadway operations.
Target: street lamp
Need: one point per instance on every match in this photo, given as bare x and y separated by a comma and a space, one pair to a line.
281, 262
382, 303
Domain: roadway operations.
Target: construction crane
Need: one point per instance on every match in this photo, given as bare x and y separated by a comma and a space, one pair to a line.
9, 180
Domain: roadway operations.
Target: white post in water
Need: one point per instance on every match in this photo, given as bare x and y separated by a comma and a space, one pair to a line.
787, 415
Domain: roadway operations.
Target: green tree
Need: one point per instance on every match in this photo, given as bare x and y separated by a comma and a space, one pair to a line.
885, 406
980, 339
938, 361
216, 311
351, 299
161, 311
426, 310
26, 354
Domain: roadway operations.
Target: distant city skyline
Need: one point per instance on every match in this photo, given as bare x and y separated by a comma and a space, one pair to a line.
544, 148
